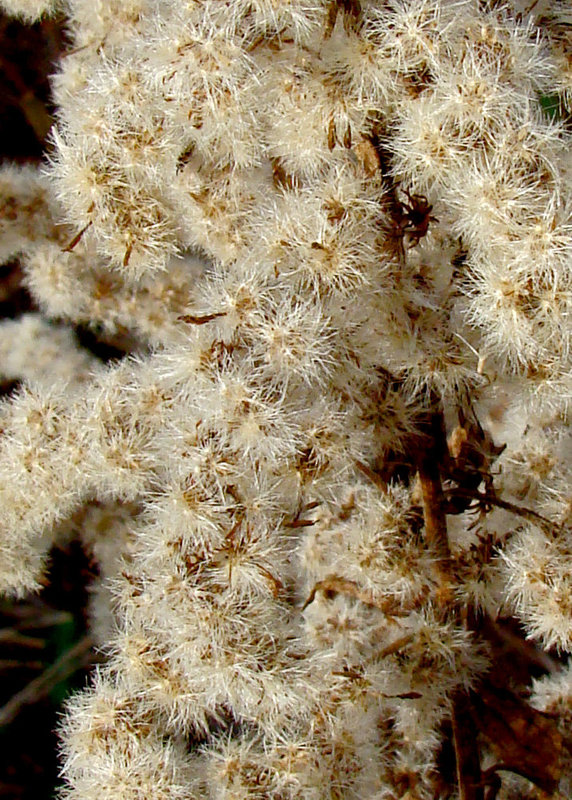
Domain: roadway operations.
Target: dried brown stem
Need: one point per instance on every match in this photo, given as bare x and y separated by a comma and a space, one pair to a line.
76, 239
492, 500
430, 460
201, 319
469, 776
434, 509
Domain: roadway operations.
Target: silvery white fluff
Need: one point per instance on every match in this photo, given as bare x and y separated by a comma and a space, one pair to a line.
234, 183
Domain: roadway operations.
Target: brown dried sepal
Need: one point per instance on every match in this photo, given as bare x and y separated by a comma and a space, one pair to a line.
524, 740
333, 585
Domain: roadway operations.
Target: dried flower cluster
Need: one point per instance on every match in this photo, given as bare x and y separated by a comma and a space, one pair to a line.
339, 234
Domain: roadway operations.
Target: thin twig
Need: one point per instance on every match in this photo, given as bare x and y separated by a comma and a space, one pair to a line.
67, 664
11, 636
38, 620
490, 499
15, 663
